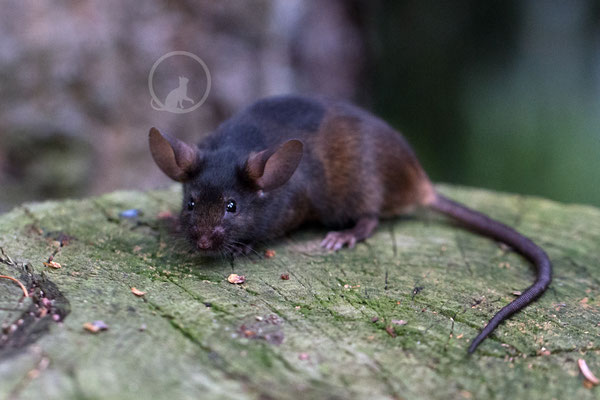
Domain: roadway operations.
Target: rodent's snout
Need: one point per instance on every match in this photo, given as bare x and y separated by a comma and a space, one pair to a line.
211, 240
204, 242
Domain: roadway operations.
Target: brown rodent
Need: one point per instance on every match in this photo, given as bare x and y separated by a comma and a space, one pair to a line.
288, 160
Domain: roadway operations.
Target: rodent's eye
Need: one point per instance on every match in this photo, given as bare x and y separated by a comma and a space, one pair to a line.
230, 207
191, 204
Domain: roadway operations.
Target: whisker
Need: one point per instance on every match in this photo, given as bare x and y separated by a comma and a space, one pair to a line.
247, 247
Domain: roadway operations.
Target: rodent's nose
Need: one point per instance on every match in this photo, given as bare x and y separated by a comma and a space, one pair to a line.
204, 242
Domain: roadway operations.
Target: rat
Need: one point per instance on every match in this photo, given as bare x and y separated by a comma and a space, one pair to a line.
175, 98
287, 160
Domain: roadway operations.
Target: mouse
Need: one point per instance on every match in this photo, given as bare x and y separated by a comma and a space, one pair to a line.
175, 98
293, 159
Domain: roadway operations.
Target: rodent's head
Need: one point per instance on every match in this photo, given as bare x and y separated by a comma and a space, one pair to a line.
224, 197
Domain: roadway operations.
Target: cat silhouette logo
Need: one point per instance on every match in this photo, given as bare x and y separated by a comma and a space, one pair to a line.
184, 95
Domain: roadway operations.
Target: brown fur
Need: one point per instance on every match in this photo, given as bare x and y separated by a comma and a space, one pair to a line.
368, 167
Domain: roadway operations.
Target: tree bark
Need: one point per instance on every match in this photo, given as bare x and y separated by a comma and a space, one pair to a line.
389, 319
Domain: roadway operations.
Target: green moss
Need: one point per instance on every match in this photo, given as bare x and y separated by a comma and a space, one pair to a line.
443, 281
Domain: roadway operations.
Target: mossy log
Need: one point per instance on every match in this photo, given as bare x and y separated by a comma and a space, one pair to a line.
390, 319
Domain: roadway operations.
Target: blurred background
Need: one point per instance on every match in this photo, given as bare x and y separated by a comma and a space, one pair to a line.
498, 94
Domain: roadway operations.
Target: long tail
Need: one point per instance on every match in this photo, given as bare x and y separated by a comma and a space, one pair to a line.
496, 230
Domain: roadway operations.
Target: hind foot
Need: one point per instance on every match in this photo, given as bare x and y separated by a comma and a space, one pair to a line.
335, 240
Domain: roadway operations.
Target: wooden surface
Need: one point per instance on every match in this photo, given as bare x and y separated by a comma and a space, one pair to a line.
391, 319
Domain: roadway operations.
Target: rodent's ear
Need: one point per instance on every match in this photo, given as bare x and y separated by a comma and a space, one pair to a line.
271, 168
175, 158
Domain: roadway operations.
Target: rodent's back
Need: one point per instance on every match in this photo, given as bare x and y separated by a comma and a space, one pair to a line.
354, 164
369, 168
268, 122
